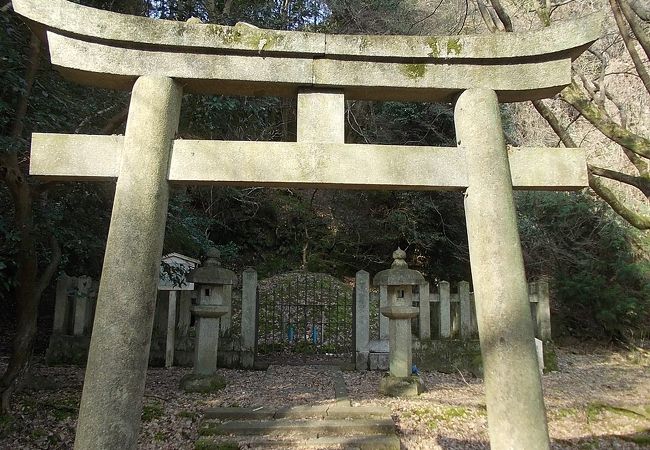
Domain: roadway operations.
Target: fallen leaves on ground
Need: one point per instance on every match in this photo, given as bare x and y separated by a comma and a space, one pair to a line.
595, 400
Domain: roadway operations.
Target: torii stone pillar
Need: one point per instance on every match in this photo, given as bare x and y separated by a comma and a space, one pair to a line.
119, 347
502, 309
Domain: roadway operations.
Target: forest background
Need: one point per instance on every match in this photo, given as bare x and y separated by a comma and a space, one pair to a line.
591, 245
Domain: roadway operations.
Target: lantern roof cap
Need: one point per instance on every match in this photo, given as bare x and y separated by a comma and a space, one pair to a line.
399, 274
211, 272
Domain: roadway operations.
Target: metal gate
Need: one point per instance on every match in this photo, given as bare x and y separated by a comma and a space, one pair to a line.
306, 313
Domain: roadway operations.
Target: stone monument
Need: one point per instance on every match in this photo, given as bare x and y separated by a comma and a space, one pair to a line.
399, 281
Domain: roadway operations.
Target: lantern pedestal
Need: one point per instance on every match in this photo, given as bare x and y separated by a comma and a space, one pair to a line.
399, 382
214, 287
401, 386
207, 337
204, 379
400, 354
399, 281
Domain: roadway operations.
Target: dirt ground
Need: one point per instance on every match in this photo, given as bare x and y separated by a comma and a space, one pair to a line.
598, 399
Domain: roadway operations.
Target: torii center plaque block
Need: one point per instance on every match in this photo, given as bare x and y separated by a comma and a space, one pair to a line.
159, 60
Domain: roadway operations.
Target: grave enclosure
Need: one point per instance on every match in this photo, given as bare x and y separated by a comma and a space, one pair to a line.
292, 316
159, 60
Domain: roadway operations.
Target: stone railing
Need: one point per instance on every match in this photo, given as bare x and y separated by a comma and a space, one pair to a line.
453, 314
448, 315
172, 338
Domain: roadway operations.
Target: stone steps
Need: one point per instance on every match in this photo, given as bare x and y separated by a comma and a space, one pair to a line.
320, 426
303, 428
379, 442
298, 412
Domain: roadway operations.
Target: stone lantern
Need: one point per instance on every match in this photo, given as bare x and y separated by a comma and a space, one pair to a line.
210, 281
399, 281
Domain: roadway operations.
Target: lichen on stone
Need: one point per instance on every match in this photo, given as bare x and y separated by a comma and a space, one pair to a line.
455, 46
414, 71
432, 42
364, 43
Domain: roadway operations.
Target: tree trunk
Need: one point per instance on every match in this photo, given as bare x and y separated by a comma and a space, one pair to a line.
29, 287
641, 8
26, 300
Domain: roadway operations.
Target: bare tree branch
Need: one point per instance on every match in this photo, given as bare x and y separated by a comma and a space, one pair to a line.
631, 49
599, 118
641, 8
487, 17
502, 14
636, 220
641, 165
90, 118
554, 122
620, 107
556, 5
431, 14
638, 30
638, 182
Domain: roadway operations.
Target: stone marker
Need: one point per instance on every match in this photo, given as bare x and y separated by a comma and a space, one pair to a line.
543, 311
248, 317
383, 320
171, 330
445, 309
539, 349
465, 310
362, 315
63, 286
83, 306
425, 312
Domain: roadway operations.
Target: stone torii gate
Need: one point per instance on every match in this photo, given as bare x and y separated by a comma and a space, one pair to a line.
159, 60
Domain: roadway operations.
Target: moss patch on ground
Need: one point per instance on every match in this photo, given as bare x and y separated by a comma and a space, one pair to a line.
152, 411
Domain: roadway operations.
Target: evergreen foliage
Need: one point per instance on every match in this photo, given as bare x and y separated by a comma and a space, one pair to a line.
598, 264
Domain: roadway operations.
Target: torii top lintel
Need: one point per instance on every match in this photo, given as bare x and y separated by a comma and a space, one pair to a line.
112, 50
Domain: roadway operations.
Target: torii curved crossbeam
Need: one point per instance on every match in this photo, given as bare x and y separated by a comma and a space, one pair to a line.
112, 50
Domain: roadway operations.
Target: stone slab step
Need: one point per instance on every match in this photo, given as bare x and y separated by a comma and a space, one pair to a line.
232, 413
299, 428
336, 411
358, 412
374, 442
302, 412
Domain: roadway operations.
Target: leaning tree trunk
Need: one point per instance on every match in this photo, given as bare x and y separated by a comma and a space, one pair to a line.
29, 286
26, 295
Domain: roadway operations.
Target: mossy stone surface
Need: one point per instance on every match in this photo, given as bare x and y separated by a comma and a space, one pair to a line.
550, 357
449, 356
401, 386
202, 383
